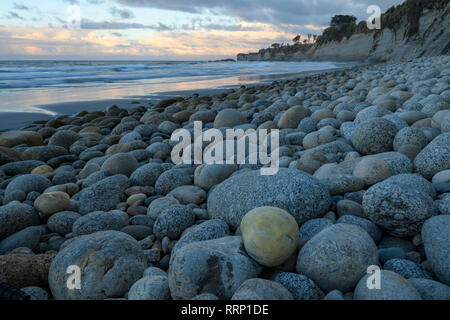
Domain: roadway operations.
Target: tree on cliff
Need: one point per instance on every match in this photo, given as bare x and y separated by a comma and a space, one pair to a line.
340, 26
297, 38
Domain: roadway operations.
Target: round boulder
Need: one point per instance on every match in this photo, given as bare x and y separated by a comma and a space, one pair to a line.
270, 235
374, 136
292, 190
110, 262
337, 257
399, 209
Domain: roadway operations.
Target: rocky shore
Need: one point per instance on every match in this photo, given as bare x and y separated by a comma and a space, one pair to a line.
92, 206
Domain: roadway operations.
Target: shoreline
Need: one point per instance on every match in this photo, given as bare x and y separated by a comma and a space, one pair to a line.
19, 120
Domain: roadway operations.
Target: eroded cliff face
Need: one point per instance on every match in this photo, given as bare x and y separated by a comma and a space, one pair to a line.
433, 38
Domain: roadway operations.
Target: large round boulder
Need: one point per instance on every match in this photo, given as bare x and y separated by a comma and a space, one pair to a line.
110, 262
399, 209
374, 136
292, 190
337, 257
217, 266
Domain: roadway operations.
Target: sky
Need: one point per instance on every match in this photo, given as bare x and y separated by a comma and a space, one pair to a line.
161, 29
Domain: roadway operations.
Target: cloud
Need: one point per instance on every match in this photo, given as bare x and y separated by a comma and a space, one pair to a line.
121, 13
72, 1
114, 25
14, 15
277, 12
96, 1
20, 7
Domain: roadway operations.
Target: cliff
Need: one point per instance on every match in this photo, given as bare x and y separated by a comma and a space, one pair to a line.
411, 35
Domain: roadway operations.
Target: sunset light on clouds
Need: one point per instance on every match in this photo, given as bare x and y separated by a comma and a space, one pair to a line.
160, 30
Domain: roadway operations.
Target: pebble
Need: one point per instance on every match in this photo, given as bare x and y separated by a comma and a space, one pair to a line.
52, 202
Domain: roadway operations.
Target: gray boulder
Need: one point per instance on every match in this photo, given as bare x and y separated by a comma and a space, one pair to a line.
436, 240
217, 266
26, 238
337, 257
100, 221
435, 157
104, 195
208, 230
16, 216
430, 289
28, 183
301, 287
173, 221
110, 262
261, 289
392, 287
397, 208
297, 192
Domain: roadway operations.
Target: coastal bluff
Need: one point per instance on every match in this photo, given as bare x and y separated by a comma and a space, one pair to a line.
431, 38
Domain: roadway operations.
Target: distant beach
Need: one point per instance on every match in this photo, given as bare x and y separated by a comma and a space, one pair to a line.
65, 88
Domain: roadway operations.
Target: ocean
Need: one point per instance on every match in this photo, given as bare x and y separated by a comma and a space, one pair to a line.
28, 86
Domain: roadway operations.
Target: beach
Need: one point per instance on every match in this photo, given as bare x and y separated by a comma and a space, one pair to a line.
362, 183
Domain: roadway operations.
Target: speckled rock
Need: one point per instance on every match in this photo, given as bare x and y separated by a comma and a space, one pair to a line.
374, 136
270, 235
62, 222
436, 240
398, 209
407, 269
16, 216
171, 179
301, 287
261, 289
150, 288
103, 195
216, 266
340, 184
173, 221
312, 227
292, 190
110, 263
393, 287
337, 257
208, 230
100, 221
434, 157
146, 175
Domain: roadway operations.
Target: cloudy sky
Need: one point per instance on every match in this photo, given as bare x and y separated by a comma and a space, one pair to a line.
161, 29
